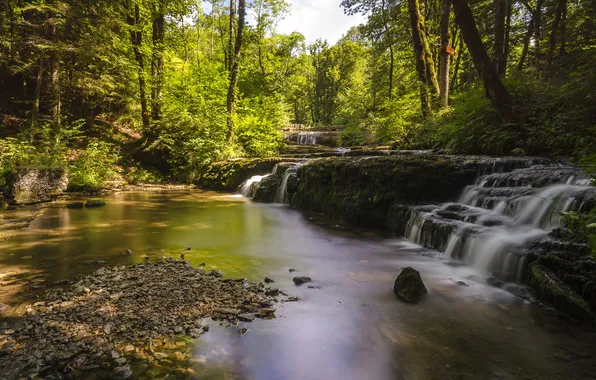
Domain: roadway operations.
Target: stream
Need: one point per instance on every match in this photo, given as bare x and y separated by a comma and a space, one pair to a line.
347, 325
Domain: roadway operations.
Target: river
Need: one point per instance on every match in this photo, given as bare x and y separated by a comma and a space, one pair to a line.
348, 325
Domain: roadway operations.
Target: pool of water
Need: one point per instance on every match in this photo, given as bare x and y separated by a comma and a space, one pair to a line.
349, 326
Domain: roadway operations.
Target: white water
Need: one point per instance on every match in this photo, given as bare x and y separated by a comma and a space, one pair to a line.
491, 225
281, 195
247, 189
307, 138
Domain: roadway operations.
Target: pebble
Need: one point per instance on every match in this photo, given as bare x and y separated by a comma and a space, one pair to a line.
301, 280
268, 280
122, 372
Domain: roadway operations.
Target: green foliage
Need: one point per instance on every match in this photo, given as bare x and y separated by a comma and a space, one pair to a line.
583, 224
94, 166
136, 175
260, 124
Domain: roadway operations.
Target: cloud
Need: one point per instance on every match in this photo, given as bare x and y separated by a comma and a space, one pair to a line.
323, 19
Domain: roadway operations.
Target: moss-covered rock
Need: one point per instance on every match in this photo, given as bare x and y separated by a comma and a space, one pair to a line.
35, 185
362, 191
228, 175
409, 286
552, 289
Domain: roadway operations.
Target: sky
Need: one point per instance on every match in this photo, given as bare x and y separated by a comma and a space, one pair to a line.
315, 19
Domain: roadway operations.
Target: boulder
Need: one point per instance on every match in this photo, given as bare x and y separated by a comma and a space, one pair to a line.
30, 186
301, 280
75, 205
409, 286
94, 204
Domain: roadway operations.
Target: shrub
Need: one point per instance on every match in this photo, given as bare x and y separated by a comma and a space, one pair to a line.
94, 166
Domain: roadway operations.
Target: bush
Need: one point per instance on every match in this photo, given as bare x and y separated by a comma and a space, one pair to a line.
259, 125
93, 166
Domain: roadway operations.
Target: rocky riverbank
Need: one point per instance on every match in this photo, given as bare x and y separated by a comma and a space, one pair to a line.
109, 320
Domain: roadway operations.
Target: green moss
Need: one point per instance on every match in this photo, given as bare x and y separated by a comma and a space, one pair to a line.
549, 287
228, 175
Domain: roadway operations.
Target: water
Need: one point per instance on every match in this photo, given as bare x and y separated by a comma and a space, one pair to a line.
249, 187
307, 138
499, 216
351, 328
281, 194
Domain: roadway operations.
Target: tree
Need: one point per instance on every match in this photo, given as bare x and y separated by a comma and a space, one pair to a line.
495, 90
235, 71
445, 55
424, 59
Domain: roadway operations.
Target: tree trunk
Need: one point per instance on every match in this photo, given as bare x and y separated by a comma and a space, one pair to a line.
563, 31
562, 4
391, 70
495, 90
457, 64
157, 63
55, 82
212, 28
36, 97
526, 47
391, 52
231, 35
424, 61
136, 38
537, 34
445, 55
507, 47
499, 42
231, 100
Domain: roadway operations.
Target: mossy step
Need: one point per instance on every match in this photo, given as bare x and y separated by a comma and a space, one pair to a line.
552, 289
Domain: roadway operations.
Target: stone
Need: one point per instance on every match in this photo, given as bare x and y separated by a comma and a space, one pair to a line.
128, 252
494, 282
35, 185
301, 280
246, 317
292, 270
268, 280
94, 204
75, 205
409, 286
121, 372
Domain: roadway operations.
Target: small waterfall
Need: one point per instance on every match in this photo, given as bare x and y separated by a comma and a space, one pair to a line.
281, 195
248, 188
498, 217
307, 138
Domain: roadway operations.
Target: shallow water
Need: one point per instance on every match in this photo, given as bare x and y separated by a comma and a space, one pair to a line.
352, 327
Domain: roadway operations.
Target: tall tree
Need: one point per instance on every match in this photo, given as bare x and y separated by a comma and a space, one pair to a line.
445, 55
231, 35
499, 36
425, 66
561, 9
136, 39
235, 71
157, 63
495, 90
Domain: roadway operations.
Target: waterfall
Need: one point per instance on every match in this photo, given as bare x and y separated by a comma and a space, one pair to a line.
248, 188
281, 195
307, 138
496, 219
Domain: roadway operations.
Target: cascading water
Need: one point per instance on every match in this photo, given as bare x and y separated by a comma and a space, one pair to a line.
498, 217
307, 138
281, 195
248, 188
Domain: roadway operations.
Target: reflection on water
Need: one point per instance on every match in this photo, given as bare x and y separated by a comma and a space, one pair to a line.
349, 326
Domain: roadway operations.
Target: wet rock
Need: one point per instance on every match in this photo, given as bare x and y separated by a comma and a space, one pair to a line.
301, 280
121, 372
95, 262
409, 286
3, 307
128, 252
551, 288
292, 270
494, 282
243, 330
268, 280
75, 205
463, 283
62, 283
94, 204
34, 185
246, 317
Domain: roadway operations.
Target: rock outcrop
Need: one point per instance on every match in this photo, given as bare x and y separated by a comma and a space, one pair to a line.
229, 175
32, 185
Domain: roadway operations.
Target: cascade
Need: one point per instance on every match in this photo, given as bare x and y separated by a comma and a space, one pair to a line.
307, 138
249, 187
495, 220
281, 195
